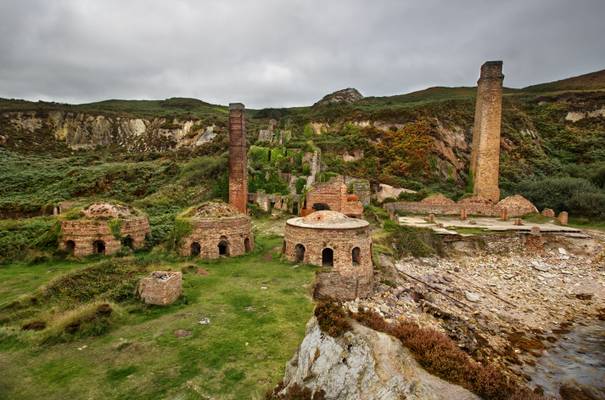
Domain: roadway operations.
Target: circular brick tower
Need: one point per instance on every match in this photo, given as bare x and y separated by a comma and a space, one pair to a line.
341, 245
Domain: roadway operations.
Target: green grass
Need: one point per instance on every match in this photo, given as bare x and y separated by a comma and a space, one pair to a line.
257, 306
20, 278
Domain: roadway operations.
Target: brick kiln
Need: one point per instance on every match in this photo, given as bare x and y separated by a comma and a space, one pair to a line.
217, 229
103, 228
340, 244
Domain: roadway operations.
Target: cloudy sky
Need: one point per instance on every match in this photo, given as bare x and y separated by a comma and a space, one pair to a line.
286, 52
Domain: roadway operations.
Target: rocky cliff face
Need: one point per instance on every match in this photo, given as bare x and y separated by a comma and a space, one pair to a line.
364, 364
347, 96
78, 131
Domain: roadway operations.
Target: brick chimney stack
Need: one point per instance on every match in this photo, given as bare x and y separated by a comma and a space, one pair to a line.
485, 157
238, 160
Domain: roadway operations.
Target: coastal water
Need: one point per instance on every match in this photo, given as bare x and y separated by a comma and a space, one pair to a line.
578, 356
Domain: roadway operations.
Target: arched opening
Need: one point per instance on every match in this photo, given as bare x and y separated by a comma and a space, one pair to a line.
299, 253
128, 242
98, 247
247, 246
327, 257
70, 246
223, 246
196, 249
320, 206
356, 256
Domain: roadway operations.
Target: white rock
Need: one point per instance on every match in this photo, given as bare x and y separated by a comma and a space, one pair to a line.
364, 365
471, 296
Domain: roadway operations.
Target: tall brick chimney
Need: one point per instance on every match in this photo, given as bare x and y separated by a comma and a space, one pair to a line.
238, 162
485, 156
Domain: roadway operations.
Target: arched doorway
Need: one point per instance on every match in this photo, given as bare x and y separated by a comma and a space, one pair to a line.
223, 246
247, 246
327, 257
299, 253
196, 249
98, 247
128, 242
356, 256
70, 246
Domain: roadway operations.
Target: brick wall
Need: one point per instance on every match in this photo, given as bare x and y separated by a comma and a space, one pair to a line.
334, 194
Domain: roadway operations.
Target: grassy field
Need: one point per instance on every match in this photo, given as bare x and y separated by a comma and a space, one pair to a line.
257, 306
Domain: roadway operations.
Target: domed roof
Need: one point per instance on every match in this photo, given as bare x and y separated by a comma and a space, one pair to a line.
327, 219
106, 210
212, 209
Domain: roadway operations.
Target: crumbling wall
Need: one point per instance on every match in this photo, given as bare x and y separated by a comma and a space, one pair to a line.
334, 194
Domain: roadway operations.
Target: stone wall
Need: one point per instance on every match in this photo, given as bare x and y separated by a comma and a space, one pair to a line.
238, 162
343, 280
516, 206
208, 233
334, 194
83, 233
485, 156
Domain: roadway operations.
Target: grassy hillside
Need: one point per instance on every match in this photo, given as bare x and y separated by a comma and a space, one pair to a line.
590, 81
256, 308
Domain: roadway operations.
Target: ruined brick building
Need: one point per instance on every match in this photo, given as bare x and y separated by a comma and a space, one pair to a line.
485, 156
340, 244
104, 228
217, 229
332, 195
238, 158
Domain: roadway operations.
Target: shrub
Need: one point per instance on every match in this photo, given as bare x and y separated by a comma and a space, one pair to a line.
332, 318
588, 204
576, 195
417, 242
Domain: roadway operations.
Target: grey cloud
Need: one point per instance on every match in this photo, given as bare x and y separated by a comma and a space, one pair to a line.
289, 52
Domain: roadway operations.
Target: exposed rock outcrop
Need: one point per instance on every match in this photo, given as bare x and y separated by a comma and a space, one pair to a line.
343, 96
78, 131
364, 364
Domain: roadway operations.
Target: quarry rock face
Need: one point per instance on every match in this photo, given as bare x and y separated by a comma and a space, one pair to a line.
343, 96
83, 131
364, 365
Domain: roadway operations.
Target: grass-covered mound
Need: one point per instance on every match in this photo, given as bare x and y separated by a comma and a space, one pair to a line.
243, 318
